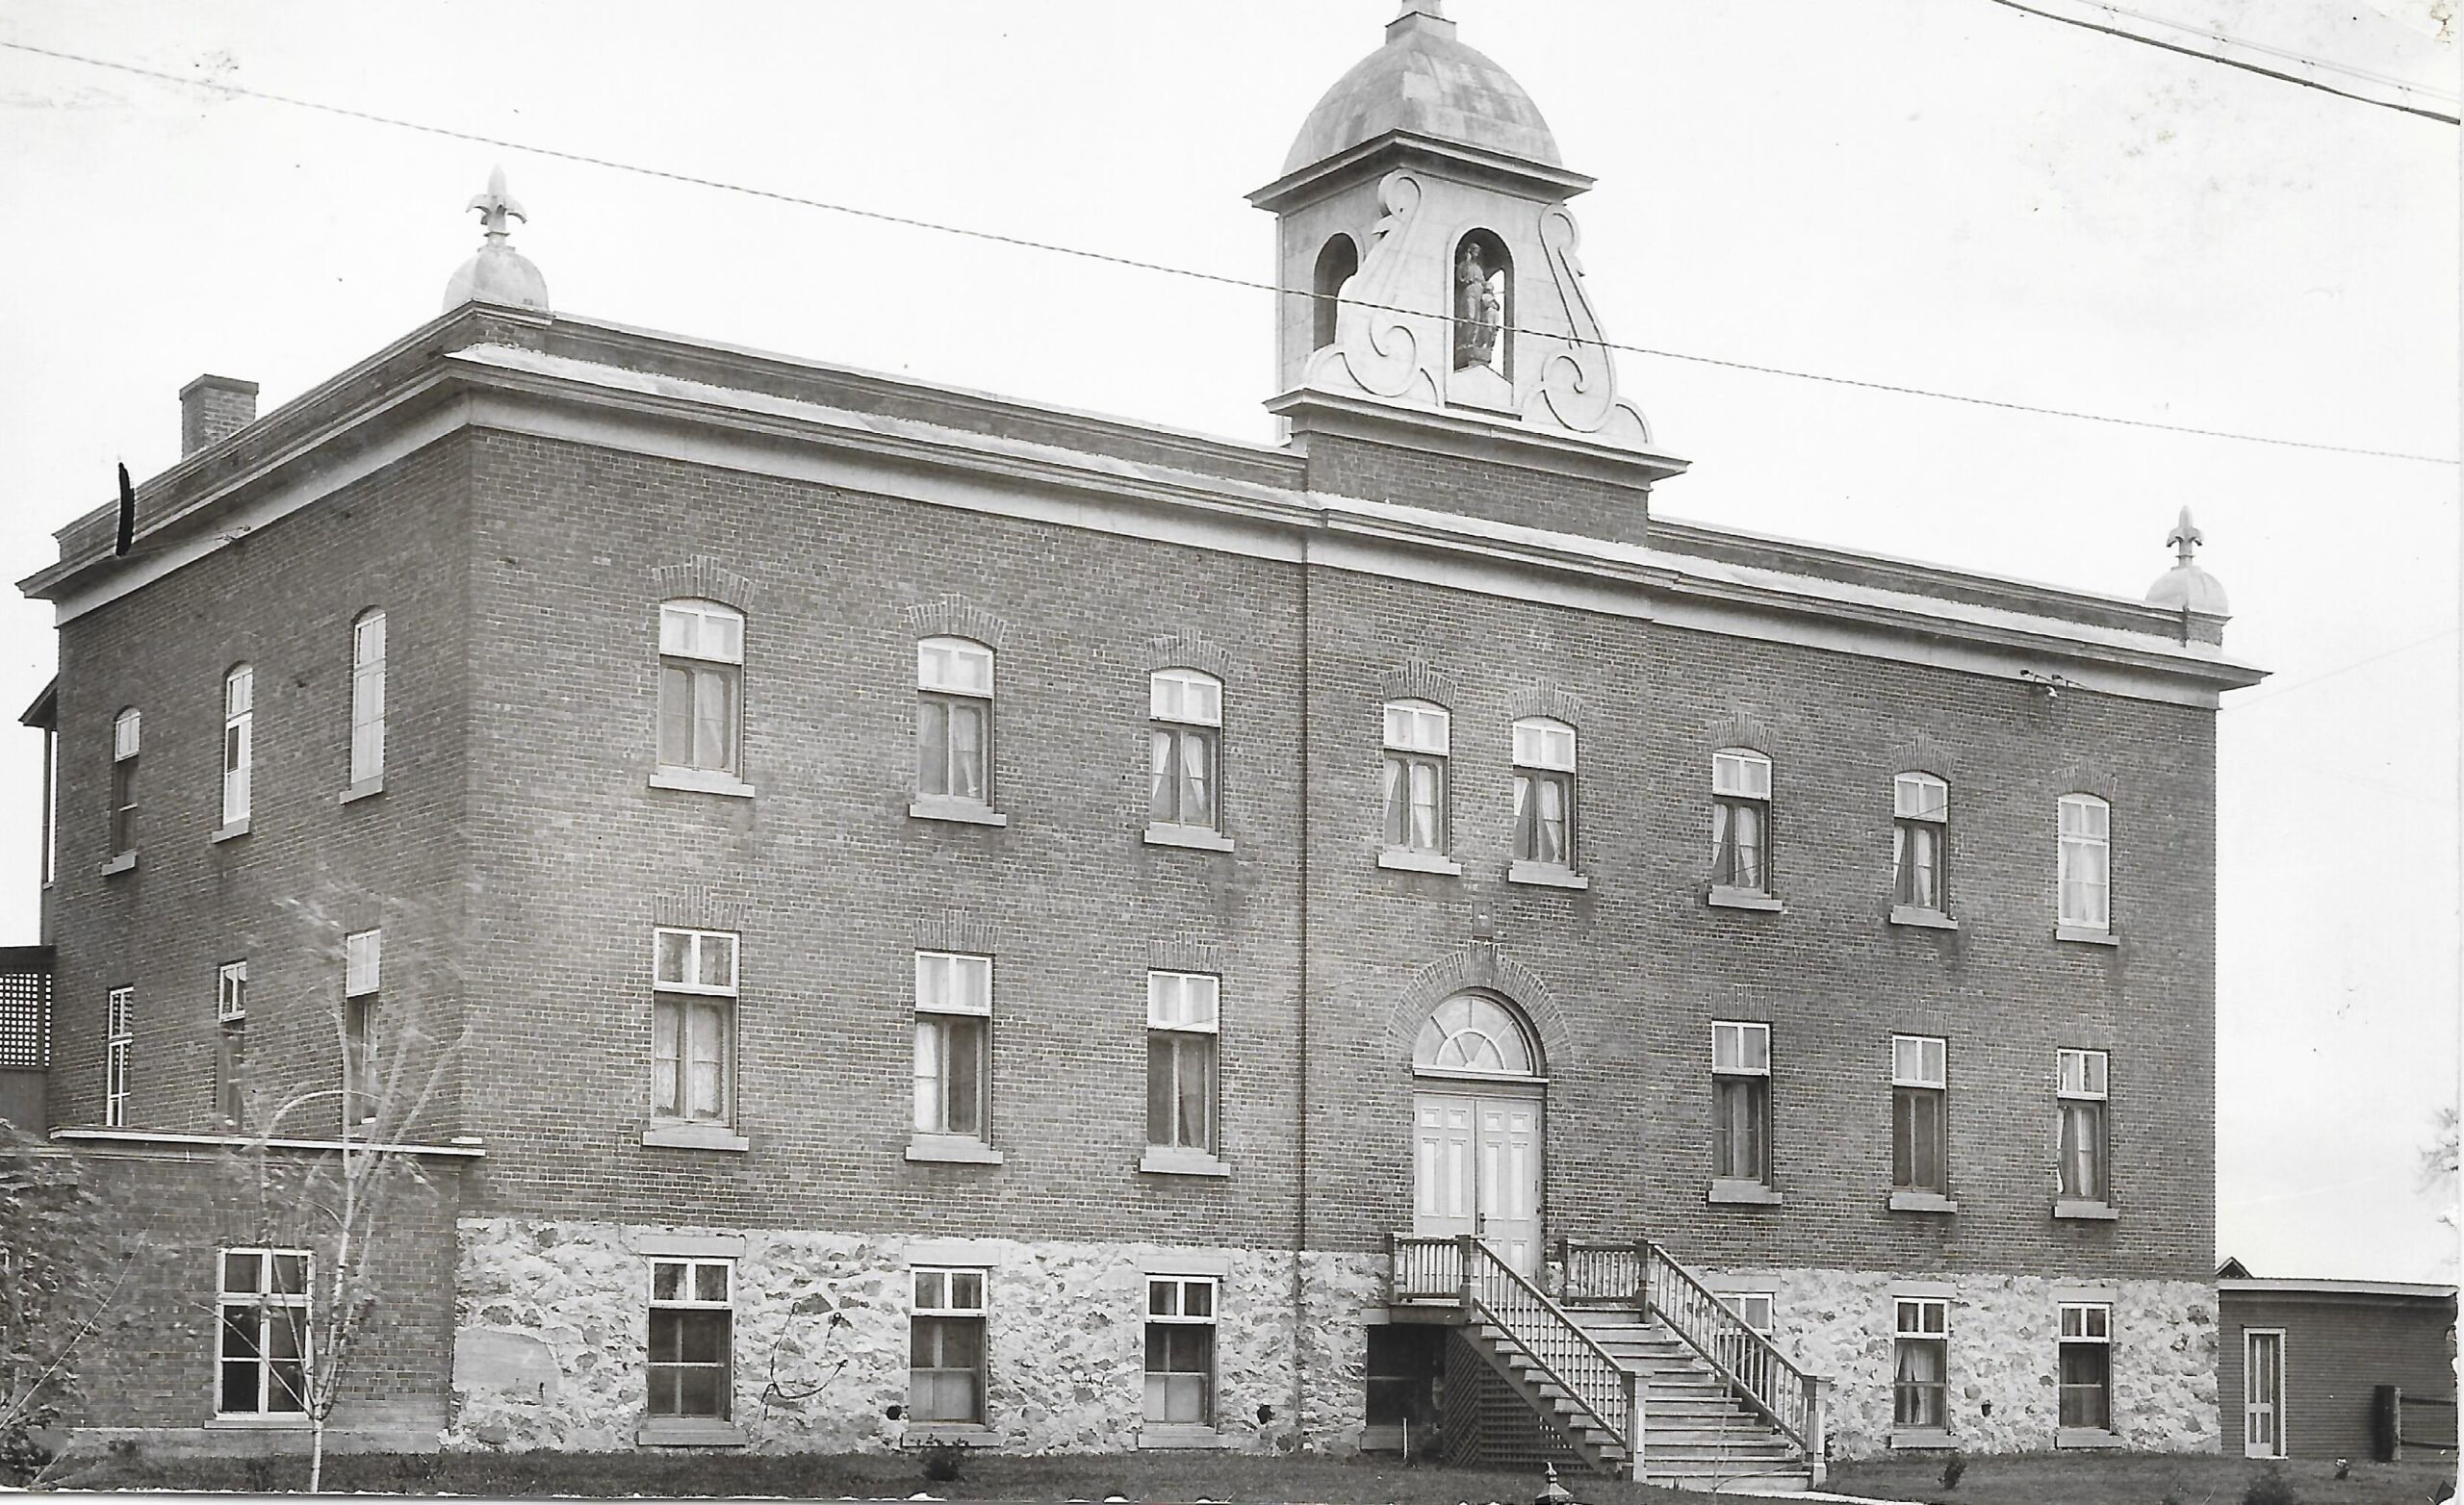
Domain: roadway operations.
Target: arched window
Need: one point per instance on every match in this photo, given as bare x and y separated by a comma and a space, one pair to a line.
368, 697
1920, 842
1742, 820
1184, 741
701, 687
1476, 1034
1483, 302
954, 719
239, 741
126, 729
2086, 862
1544, 792
1418, 737
1337, 260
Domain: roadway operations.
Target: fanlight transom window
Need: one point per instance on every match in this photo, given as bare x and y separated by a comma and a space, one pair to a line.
1473, 1033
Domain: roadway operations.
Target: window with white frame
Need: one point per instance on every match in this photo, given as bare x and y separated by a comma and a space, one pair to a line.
262, 1355
367, 696
120, 1036
2086, 862
1920, 1126
1753, 1307
2086, 1359
1920, 839
701, 687
954, 719
693, 982
1183, 1019
1544, 792
945, 1347
1180, 1349
239, 741
1184, 744
1742, 820
231, 1043
953, 1026
2080, 1099
1740, 1102
1920, 1364
692, 1338
125, 734
1419, 735
363, 954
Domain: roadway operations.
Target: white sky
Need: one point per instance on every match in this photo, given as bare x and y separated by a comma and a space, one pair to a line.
1944, 194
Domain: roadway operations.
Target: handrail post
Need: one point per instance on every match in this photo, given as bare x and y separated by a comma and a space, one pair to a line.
1643, 1277
1817, 1467
1393, 1270
1464, 1245
1634, 1393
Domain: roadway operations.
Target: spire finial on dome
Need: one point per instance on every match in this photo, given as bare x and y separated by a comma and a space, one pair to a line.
496, 204
1420, 15
1433, 9
2185, 538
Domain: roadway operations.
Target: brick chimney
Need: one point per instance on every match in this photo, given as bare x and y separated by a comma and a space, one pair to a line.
213, 408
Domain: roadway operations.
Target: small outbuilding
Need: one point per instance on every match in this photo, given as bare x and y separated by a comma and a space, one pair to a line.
2335, 1369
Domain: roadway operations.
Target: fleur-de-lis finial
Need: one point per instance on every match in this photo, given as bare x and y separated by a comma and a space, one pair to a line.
2185, 538
496, 204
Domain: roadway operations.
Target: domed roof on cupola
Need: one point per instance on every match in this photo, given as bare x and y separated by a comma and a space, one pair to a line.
499, 273
1424, 82
2185, 586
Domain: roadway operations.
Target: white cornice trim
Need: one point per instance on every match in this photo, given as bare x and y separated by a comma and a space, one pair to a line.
245, 1142
500, 388
2338, 1287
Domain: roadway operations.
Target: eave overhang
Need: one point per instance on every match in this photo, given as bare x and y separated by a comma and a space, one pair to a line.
1401, 149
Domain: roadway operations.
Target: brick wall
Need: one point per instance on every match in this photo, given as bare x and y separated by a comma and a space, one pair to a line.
2338, 1347
1506, 492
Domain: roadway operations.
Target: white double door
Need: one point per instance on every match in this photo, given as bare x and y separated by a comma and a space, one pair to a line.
1476, 1169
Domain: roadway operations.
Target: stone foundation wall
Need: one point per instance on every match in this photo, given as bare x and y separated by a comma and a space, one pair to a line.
2004, 1329
552, 1332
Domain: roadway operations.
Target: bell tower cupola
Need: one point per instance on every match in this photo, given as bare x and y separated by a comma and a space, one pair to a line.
1422, 209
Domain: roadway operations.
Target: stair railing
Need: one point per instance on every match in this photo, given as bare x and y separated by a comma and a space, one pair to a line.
1601, 1387
1423, 1271
1599, 1273
1749, 1363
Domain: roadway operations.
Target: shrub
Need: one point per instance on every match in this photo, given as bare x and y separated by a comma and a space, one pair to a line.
942, 1461
2270, 1487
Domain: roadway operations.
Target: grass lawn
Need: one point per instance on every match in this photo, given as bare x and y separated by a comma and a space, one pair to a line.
2132, 1479
1234, 1478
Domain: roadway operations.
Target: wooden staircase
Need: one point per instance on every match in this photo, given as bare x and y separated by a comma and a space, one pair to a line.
1634, 1364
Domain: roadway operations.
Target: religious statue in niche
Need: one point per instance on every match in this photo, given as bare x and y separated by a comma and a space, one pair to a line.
1479, 308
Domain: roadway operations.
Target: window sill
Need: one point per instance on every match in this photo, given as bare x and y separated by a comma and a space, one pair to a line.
952, 1149
966, 812
1922, 919
232, 831
126, 862
1161, 1159
1197, 838
1163, 1435
956, 1434
374, 785
1750, 1193
286, 1423
2087, 1437
689, 1432
1923, 1437
701, 780
1406, 859
1921, 1202
2086, 934
1744, 899
693, 1136
1545, 875
2084, 1209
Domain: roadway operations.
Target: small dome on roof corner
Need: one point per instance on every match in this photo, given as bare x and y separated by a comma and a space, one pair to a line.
497, 274
2187, 586
1426, 82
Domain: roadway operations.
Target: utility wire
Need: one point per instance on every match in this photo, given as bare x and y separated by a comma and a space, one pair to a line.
2444, 108
2281, 690
1218, 278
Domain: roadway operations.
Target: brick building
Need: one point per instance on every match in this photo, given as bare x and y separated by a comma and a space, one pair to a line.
1187, 942
2335, 1369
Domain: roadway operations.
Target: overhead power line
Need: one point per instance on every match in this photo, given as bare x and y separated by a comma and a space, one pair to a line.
2276, 62
2277, 692
449, 132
